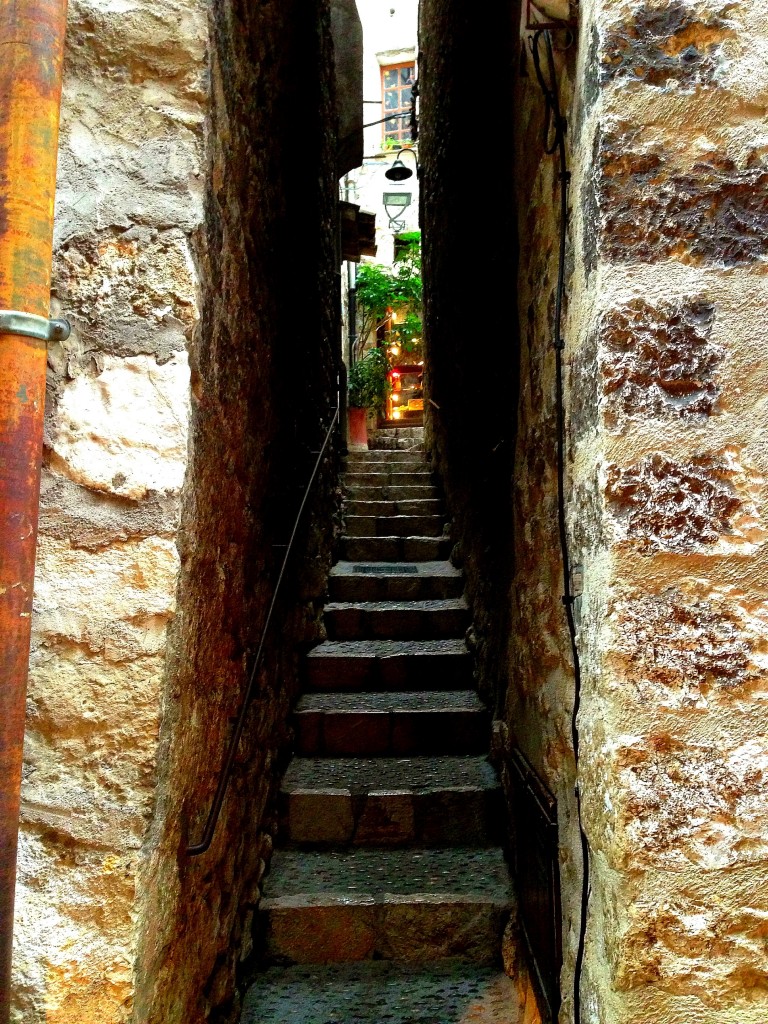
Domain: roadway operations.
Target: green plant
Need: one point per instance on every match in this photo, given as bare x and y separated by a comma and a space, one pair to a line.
368, 381
382, 289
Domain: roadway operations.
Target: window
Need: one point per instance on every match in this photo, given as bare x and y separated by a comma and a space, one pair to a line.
397, 98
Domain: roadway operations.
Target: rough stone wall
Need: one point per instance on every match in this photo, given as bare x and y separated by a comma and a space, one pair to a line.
539, 698
668, 335
666, 485
130, 200
666, 469
194, 255
469, 266
263, 382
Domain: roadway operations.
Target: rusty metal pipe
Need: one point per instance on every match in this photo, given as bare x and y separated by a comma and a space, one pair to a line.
31, 57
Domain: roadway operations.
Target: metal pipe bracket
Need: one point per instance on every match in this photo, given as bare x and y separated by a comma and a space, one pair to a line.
28, 325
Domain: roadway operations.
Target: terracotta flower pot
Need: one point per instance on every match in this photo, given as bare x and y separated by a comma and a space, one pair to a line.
358, 429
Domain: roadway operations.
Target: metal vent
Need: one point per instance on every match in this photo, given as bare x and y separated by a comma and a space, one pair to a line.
386, 570
538, 876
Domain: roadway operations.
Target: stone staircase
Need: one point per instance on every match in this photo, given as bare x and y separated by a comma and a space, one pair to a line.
388, 895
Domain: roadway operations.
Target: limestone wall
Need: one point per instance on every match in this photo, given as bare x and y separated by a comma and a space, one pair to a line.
182, 415
539, 696
665, 477
130, 203
665, 352
263, 382
668, 337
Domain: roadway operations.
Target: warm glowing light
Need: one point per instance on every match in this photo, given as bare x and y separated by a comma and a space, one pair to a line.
394, 318
395, 398
395, 350
395, 414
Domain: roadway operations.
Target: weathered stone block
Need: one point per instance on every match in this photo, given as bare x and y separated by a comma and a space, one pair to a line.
300, 932
694, 649
127, 293
705, 504
658, 361
702, 939
661, 800
655, 44
712, 211
386, 818
101, 442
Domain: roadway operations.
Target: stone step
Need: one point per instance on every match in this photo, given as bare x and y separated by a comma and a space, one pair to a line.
397, 439
392, 724
380, 801
395, 493
399, 430
404, 507
386, 456
393, 526
400, 444
413, 464
394, 549
394, 581
381, 992
390, 904
396, 620
388, 665
385, 477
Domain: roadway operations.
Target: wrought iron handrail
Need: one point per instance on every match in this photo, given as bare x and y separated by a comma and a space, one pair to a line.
226, 771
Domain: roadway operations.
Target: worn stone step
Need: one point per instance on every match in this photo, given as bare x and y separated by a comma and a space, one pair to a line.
408, 905
396, 620
395, 493
394, 526
387, 442
394, 549
381, 462
399, 430
403, 507
381, 992
386, 478
382, 801
386, 456
396, 444
393, 724
394, 581
388, 665
390, 440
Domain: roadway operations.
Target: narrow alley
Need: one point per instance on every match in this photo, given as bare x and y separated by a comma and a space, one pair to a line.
383, 512
391, 813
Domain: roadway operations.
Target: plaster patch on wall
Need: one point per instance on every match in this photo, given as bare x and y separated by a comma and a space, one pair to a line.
699, 942
690, 648
127, 292
712, 211
706, 504
656, 44
116, 602
692, 803
103, 441
658, 361
83, 977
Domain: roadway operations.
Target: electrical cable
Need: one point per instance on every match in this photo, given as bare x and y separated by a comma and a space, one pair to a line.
554, 141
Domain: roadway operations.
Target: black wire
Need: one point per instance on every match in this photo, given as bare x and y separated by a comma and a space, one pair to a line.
557, 124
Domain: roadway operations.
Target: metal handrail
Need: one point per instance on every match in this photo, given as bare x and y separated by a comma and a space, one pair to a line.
226, 771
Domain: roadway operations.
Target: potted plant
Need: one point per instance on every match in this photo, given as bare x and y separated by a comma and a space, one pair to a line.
369, 384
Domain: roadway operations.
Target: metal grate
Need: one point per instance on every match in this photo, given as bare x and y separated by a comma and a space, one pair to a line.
386, 570
538, 876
